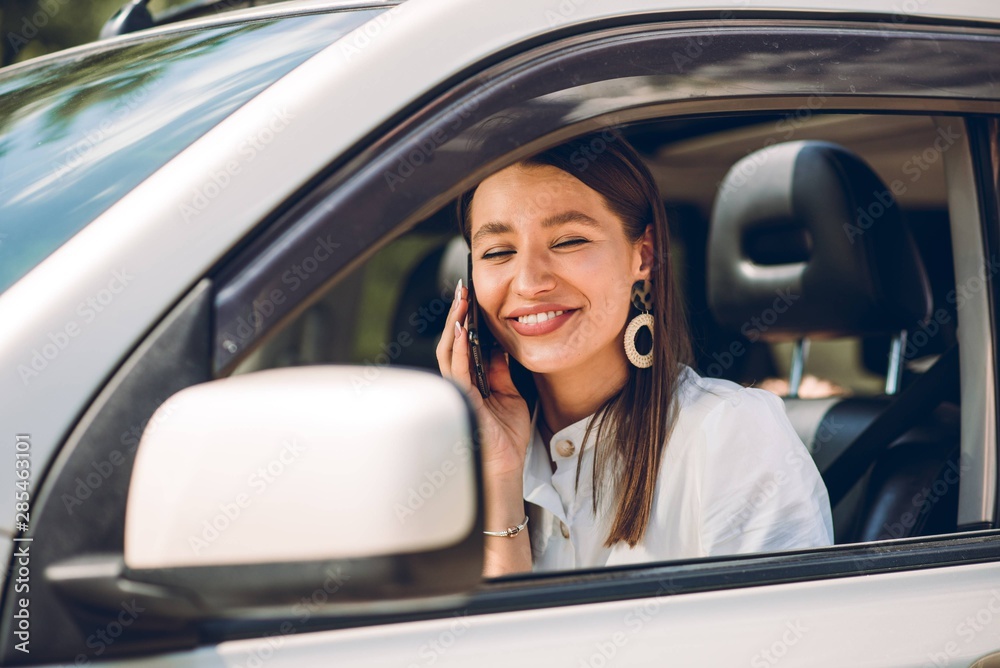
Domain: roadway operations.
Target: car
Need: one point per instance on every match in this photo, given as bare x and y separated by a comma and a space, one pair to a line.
227, 245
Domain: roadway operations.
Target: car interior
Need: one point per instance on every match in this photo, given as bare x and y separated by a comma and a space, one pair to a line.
815, 256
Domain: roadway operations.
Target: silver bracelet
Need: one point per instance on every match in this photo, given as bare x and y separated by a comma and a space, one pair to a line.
509, 532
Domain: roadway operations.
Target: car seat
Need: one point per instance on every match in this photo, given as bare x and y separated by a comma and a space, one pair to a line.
806, 242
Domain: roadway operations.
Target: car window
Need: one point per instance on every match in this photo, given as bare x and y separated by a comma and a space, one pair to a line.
690, 157
389, 310
77, 134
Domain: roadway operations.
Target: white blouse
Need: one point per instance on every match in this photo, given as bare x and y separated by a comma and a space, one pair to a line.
734, 478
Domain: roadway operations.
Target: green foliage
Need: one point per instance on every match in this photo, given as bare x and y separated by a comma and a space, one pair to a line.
31, 28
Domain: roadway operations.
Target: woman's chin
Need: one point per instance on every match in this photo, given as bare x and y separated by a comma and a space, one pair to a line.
544, 363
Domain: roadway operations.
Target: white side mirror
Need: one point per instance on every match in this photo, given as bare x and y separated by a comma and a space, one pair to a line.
285, 473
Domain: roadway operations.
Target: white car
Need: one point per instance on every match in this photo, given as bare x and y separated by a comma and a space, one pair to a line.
227, 244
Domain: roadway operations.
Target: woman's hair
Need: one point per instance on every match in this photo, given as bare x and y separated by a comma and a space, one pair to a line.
636, 421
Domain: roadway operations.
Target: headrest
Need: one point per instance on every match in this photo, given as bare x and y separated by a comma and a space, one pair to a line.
806, 241
454, 264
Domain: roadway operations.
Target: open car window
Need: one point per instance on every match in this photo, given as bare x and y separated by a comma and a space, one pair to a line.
390, 311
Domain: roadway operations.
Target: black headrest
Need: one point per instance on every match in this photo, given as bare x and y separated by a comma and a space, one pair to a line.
806, 241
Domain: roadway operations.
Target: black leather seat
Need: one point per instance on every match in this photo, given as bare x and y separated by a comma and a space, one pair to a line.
807, 242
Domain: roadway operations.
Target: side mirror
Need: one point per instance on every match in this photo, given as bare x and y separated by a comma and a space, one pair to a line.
251, 492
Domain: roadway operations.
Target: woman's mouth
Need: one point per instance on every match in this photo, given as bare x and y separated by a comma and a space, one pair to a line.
533, 318
543, 322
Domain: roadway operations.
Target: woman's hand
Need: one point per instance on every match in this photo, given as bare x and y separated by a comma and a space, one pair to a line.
504, 421
504, 429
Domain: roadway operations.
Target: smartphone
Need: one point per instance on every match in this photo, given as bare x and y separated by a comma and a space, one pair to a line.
480, 341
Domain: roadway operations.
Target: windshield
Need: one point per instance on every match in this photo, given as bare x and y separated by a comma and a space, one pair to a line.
77, 134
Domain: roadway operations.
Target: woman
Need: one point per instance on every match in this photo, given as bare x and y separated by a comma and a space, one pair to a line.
625, 454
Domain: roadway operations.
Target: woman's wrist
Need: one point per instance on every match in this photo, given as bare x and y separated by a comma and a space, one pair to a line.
503, 498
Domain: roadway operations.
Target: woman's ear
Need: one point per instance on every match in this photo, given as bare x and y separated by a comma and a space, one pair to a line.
647, 254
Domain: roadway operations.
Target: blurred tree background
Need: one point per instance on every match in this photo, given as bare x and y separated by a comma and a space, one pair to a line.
31, 28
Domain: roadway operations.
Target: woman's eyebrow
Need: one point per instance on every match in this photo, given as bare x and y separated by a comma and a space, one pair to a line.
569, 217
496, 227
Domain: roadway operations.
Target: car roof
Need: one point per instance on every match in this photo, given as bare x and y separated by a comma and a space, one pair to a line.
534, 18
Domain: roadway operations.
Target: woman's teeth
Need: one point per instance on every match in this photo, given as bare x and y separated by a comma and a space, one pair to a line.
535, 318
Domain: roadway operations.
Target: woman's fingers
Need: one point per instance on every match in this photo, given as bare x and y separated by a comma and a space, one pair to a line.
446, 344
460, 356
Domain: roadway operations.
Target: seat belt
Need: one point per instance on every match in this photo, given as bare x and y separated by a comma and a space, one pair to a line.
921, 397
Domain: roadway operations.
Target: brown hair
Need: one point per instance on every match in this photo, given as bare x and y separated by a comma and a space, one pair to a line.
637, 420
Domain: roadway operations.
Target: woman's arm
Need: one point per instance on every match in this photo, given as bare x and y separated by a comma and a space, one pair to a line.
504, 429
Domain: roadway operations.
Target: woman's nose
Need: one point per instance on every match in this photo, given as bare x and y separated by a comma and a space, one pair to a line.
533, 274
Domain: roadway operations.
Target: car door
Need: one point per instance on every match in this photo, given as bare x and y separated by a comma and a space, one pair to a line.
757, 609
800, 616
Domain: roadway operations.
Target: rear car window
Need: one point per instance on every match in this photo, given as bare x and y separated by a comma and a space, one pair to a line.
78, 133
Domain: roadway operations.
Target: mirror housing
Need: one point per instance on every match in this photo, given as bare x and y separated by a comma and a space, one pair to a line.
253, 492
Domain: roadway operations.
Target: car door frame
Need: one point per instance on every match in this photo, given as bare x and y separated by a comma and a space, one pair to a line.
351, 197
252, 283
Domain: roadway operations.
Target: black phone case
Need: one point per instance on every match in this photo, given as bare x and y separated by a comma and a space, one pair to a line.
478, 336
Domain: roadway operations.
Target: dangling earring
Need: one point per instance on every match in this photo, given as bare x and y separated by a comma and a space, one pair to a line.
642, 299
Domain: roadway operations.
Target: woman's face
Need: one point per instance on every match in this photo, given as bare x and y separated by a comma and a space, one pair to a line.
553, 269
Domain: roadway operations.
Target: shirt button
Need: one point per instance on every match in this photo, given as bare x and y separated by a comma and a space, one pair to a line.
564, 529
565, 448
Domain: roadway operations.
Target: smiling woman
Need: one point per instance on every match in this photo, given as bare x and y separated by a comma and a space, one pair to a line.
620, 450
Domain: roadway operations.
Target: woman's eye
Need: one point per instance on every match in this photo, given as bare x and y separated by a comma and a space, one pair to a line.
492, 255
571, 242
